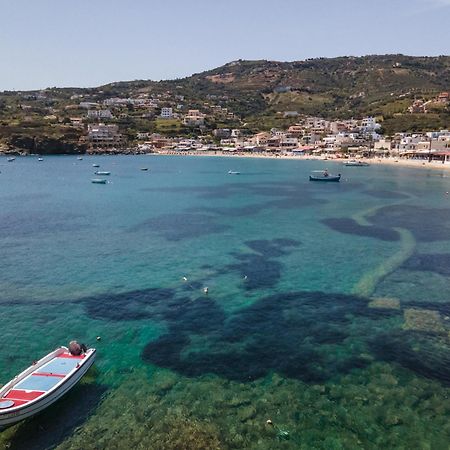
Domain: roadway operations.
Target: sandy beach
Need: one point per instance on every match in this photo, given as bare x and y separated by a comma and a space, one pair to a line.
402, 162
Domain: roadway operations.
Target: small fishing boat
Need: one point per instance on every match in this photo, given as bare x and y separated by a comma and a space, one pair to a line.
98, 181
80, 158
95, 165
355, 163
323, 175
40, 159
144, 168
11, 159
233, 172
44, 382
99, 172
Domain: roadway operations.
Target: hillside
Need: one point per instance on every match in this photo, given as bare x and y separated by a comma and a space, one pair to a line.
255, 93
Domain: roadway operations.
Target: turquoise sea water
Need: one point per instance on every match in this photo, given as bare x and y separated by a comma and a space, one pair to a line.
328, 305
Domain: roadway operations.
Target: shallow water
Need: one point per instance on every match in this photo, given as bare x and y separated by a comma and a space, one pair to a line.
328, 309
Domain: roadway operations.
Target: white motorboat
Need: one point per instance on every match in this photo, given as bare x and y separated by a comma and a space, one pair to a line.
324, 175
356, 163
44, 382
98, 181
40, 159
233, 172
95, 165
99, 172
11, 159
80, 158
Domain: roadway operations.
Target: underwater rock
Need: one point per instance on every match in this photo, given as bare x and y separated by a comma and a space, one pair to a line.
385, 302
272, 248
436, 227
423, 320
430, 262
291, 334
246, 413
350, 226
176, 227
425, 354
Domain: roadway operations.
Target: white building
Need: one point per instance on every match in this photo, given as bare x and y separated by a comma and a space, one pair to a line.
166, 113
369, 124
104, 136
99, 114
88, 105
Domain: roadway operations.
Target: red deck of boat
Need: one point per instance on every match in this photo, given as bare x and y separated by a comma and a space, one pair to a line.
44, 374
20, 396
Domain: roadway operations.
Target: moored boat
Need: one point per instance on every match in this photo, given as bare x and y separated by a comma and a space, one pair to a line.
233, 172
144, 168
100, 172
11, 159
323, 175
40, 159
44, 382
355, 163
98, 181
95, 165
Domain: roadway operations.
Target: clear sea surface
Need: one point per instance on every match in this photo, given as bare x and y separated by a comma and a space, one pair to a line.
326, 324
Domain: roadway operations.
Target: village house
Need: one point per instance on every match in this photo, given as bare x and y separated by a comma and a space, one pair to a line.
76, 122
166, 113
443, 97
101, 136
418, 107
222, 133
88, 105
260, 138
99, 114
194, 118
296, 130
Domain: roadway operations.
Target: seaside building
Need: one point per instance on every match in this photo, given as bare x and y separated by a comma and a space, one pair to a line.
101, 136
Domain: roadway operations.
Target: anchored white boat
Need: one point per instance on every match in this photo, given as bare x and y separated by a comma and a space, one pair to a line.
11, 159
100, 172
98, 181
324, 175
356, 163
44, 382
233, 172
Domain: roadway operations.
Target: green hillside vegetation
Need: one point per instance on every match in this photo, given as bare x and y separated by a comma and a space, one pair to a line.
257, 93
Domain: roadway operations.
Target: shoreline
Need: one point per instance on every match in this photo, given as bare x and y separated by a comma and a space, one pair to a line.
416, 163
391, 161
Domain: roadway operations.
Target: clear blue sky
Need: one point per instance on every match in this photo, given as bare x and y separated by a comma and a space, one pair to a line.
91, 42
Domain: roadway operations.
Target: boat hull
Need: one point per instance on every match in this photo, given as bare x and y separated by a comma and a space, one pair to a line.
326, 179
8, 419
356, 165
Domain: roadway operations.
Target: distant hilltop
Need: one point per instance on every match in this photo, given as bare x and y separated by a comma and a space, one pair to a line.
405, 93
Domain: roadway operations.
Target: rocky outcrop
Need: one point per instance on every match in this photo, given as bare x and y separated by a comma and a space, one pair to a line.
45, 145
